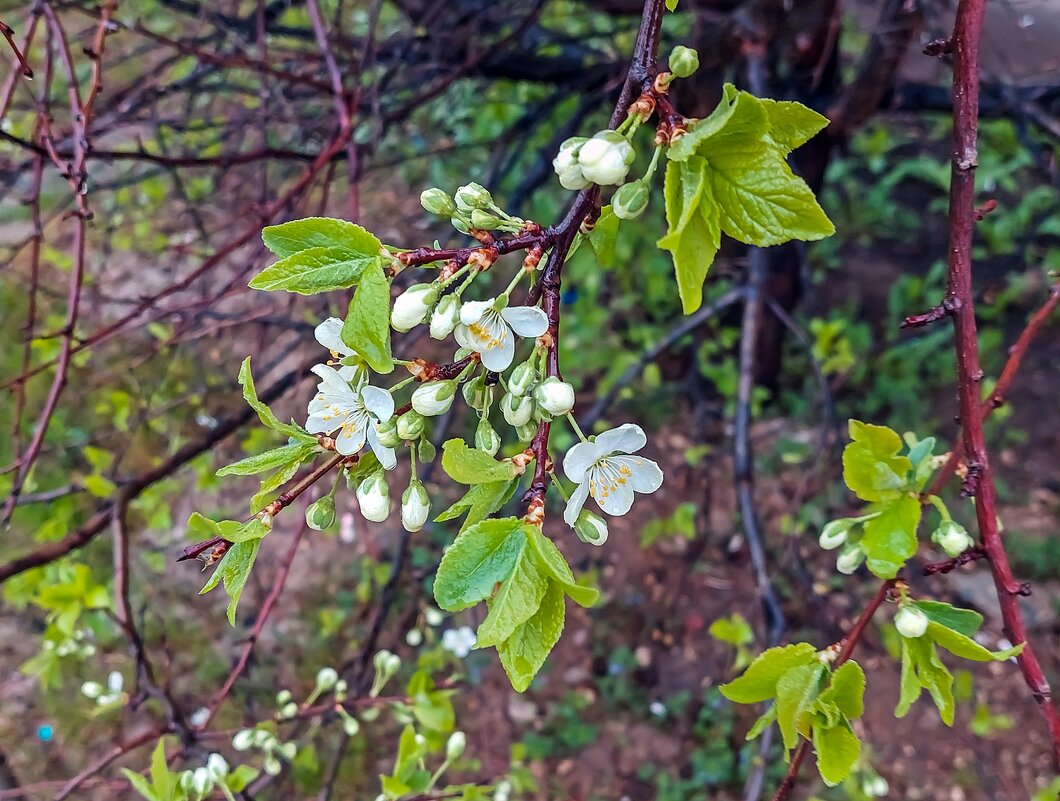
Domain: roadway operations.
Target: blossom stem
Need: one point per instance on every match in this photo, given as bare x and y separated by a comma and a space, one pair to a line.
649, 174
515, 281
400, 384
940, 507
454, 276
559, 487
576, 427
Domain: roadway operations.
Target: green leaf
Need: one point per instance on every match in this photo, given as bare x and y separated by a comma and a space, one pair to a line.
921, 667
671, 5
734, 630
556, 567
890, 537
479, 502
316, 270
515, 601
238, 779
524, 652
702, 130
161, 779
796, 692
764, 720
471, 466
604, 237
964, 621
292, 237
268, 419
909, 685
791, 124
846, 690
234, 569
872, 468
274, 482
268, 460
967, 648
480, 557
367, 326
694, 237
141, 785
759, 681
761, 201
838, 749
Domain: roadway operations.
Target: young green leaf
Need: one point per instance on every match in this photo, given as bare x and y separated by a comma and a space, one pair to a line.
479, 502
268, 419
292, 237
890, 537
702, 130
480, 557
964, 621
967, 648
234, 570
796, 692
694, 236
846, 689
838, 749
316, 270
759, 681
762, 723
604, 237
791, 124
515, 601
555, 566
272, 483
872, 468
921, 667
268, 460
367, 326
470, 466
524, 652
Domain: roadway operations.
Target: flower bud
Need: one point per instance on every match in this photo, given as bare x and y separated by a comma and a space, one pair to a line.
414, 637
373, 496
437, 202
387, 433
952, 538
288, 751
412, 305
566, 164
630, 200
415, 506
456, 745
445, 316
516, 411
243, 739
411, 425
521, 379
525, 433
351, 726
201, 782
272, 765
605, 159
834, 534
217, 766
590, 528
92, 689
288, 711
434, 397
486, 437
320, 514
683, 61
473, 196
187, 781
282, 697
554, 396
327, 678
485, 220
910, 622
476, 393
849, 560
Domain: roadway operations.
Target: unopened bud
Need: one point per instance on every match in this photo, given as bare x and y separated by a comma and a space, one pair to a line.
373, 497
456, 745
516, 411
521, 379
910, 622
412, 306
605, 159
566, 164
477, 394
849, 560
411, 425
952, 538
327, 677
445, 316
434, 397
525, 433
683, 61
415, 506
834, 534
486, 437
590, 528
554, 396
320, 514
437, 202
485, 220
472, 196
630, 200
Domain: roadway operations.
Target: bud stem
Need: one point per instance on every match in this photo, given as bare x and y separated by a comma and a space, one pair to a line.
576, 427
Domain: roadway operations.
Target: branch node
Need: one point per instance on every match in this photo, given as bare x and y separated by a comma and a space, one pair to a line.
937, 48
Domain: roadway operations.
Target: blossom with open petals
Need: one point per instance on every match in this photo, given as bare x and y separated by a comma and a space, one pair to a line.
352, 410
490, 331
605, 469
329, 334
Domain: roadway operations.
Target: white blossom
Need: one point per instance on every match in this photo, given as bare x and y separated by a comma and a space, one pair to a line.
605, 159
354, 410
910, 622
415, 506
459, 642
606, 470
434, 397
554, 396
490, 331
445, 317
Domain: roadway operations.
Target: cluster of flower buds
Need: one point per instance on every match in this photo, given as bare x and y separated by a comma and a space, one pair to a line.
603, 159
839, 534
71, 646
459, 642
200, 782
386, 665
109, 695
471, 207
269, 744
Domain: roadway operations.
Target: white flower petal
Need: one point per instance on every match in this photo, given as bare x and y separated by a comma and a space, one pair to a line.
579, 459
526, 321
378, 401
575, 504
472, 311
350, 439
386, 456
499, 354
613, 493
316, 424
645, 475
329, 334
463, 337
628, 438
